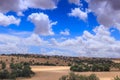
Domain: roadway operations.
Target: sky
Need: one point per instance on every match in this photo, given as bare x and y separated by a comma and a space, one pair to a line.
86, 28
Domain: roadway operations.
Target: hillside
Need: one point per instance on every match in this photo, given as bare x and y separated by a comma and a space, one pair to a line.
35, 59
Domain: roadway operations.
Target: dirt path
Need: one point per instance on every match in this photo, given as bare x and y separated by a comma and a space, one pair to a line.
55, 72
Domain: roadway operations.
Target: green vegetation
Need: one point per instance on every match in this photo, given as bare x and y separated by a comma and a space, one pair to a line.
45, 64
3, 65
116, 65
73, 76
16, 70
94, 65
90, 67
117, 78
4, 74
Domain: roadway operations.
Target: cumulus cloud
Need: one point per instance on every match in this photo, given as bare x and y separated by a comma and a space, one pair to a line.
41, 4
65, 32
21, 5
100, 44
43, 24
11, 5
107, 12
16, 44
33, 40
7, 20
76, 2
78, 13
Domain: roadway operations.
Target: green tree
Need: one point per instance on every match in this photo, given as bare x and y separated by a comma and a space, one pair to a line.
106, 67
26, 71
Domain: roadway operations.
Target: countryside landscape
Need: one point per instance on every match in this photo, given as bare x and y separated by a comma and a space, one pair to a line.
57, 67
59, 39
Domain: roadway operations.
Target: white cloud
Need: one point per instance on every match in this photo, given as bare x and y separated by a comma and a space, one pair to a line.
11, 5
9, 44
101, 44
66, 32
33, 40
20, 5
7, 20
42, 22
42, 4
76, 2
107, 12
78, 13
15, 44
58, 52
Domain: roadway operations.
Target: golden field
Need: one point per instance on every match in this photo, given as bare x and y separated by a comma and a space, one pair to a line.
55, 72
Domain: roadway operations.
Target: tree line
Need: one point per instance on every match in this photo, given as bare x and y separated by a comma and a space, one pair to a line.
94, 65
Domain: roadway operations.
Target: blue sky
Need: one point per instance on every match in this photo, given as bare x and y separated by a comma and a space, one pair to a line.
60, 27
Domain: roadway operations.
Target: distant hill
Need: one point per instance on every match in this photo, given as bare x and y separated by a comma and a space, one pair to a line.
35, 59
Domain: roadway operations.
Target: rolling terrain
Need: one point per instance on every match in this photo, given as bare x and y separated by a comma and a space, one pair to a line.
53, 67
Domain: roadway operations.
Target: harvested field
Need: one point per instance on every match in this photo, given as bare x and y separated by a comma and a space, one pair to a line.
55, 72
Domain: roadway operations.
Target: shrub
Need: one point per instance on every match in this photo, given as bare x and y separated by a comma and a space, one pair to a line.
27, 71
73, 76
17, 70
117, 78
77, 68
63, 78
90, 67
4, 74
13, 74
3, 65
93, 77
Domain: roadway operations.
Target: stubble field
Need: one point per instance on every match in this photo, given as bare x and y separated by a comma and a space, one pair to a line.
55, 72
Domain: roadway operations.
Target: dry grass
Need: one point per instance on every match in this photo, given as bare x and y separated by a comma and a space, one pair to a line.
55, 72
116, 60
18, 59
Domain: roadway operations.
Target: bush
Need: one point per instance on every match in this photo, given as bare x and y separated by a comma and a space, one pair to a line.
73, 76
117, 78
4, 74
93, 77
3, 65
27, 71
63, 78
80, 68
13, 74
90, 67
17, 70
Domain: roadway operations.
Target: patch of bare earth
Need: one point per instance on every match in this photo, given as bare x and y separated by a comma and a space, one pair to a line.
55, 72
